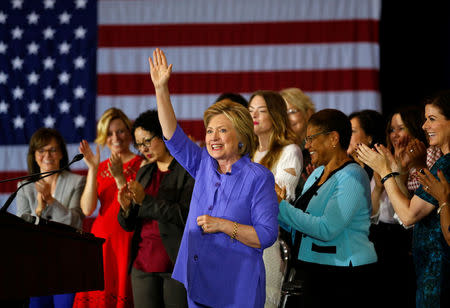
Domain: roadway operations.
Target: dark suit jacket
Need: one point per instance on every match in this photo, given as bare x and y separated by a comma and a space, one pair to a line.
170, 208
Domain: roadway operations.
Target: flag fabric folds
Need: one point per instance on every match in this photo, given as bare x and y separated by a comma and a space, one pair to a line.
63, 63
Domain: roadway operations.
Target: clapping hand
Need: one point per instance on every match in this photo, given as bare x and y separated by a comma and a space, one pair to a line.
115, 165
92, 160
375, 158
438, 188
124, 198
137, 192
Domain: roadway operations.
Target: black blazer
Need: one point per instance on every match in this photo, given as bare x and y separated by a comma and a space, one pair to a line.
170, 208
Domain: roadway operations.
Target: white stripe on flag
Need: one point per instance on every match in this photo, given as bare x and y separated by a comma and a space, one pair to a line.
244, 58
233, 11
192, 107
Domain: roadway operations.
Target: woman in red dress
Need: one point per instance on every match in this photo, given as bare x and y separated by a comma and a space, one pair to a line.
102, 183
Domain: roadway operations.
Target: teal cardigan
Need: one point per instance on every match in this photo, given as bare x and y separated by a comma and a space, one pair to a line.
335, 225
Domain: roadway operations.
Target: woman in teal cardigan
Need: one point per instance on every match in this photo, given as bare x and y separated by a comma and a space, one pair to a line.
330, 220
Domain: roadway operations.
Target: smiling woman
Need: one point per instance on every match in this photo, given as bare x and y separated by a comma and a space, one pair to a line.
430, 252
104, 179
232, 215
55, 198
330, 220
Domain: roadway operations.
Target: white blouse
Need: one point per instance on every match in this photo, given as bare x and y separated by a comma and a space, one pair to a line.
291, 158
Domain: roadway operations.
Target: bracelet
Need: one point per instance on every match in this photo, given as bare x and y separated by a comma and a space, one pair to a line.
440, 207
389, 175
235, 229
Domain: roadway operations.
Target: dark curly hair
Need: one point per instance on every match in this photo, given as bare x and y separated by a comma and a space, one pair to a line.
148, 121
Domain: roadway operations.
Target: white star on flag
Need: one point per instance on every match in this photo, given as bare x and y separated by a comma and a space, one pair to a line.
80, 4
64, 107
33, 107
49, 63
79, 92
79, 121
49, 4
3, 17
3, 47
49, 121
17, 4
64, 18
49, 93
33, 48
3, 78
18, 122
17, 33
48, 33
17, 63
3, 107
79, 62
80, 33
17, 92
33, 18
33, 78
64, 48
64, 78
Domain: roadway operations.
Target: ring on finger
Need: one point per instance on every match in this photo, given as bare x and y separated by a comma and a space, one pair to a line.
411, 150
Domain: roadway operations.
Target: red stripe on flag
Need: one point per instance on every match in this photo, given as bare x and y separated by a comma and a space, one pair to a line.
238, 33
193, 128
245, 82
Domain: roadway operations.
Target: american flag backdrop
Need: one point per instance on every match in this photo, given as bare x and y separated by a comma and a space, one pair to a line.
64, 62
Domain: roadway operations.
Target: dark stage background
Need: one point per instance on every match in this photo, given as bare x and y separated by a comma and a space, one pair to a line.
414, 51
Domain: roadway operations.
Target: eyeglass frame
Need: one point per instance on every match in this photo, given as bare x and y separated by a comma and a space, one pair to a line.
51, 151
292, 111
311, 138
146, 143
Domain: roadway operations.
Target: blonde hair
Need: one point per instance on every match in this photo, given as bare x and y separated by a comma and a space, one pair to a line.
240, 119
282, 134
299, 99
103, 124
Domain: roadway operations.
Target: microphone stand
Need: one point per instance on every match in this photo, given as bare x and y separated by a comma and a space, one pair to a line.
8, 202
76, 158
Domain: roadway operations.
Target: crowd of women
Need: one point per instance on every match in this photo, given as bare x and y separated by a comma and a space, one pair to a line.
363, 203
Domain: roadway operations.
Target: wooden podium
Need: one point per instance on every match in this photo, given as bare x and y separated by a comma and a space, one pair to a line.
47, 259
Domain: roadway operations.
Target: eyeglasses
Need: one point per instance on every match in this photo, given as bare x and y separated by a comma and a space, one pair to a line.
292, 110
147, 143
311, 138
50, 151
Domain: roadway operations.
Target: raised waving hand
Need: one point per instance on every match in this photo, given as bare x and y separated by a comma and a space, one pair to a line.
159, 71
160, 74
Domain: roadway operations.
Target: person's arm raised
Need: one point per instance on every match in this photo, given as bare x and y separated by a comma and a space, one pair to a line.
160, 74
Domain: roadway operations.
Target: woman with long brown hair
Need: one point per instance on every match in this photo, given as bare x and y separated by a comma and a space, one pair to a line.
278, 152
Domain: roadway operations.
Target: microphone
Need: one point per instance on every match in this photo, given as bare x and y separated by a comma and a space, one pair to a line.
36, 177
38, 221
76, 158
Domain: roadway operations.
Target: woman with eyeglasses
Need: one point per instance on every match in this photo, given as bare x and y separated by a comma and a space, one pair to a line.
104, 179
155, 207
300, 108
277, 151
55, 197
330, 220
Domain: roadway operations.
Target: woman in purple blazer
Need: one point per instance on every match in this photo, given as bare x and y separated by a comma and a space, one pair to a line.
233, 211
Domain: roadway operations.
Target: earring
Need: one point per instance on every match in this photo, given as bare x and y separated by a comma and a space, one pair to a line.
240, 145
